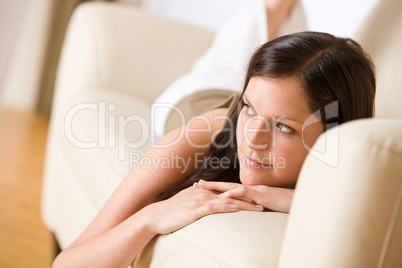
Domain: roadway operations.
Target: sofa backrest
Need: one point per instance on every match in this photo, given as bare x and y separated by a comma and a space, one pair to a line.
381, 36
141, 61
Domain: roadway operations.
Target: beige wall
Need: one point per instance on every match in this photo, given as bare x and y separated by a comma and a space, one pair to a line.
11, 14
20, 86
11, 18
31, 55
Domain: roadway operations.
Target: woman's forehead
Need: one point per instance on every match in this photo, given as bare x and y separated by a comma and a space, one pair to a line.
283, 96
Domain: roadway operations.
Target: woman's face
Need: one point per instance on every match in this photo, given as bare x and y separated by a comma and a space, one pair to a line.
271, 147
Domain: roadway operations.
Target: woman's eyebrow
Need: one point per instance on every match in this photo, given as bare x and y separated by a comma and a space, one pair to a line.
284, 117
277, 117
247, 101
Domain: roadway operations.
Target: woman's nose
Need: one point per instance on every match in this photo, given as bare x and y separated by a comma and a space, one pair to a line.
258, 134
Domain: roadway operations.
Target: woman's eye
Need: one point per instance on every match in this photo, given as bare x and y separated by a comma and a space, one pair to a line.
284, 128
249, 110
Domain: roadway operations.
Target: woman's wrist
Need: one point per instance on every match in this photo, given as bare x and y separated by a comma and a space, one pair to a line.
147, 219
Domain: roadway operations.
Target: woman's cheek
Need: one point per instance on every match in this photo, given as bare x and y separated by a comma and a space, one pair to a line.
290, 152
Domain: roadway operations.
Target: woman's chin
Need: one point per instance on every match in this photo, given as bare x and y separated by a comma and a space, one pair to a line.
251, 177
248, 177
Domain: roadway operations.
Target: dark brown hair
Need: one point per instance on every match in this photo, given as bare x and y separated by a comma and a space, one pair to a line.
331, 70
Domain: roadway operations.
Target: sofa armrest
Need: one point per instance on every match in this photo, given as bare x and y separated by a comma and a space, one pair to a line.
120, 47
349, 214
115, 55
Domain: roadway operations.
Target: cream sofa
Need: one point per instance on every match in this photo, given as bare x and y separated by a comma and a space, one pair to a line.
347, 209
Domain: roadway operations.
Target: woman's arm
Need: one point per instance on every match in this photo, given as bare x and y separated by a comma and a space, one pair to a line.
118, 233
116, 247
120, 245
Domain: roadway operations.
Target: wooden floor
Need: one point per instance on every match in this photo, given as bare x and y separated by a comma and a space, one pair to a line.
24, 240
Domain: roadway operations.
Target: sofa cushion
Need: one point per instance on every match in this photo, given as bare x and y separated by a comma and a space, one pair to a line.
242, 239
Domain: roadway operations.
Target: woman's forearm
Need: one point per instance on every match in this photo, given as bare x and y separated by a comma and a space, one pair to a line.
115, 248
121, 229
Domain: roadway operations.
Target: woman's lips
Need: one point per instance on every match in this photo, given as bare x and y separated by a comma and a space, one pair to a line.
252, 162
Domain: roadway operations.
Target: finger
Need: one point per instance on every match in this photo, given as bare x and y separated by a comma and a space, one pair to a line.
245, 199
243, 192
217, 185
243, 205
213, 208
221, 187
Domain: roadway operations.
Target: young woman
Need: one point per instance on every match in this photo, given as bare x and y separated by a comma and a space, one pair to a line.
296, 87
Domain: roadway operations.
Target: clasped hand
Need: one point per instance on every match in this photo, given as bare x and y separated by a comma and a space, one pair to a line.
272, 198
205, 198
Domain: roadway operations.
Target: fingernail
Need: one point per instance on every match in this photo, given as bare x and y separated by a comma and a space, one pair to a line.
201, 181
233, 206
195, 184
259, 206
222, 195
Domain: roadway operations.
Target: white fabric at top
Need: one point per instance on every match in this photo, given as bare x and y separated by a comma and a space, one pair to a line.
211, 14
338, 17
224, 64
